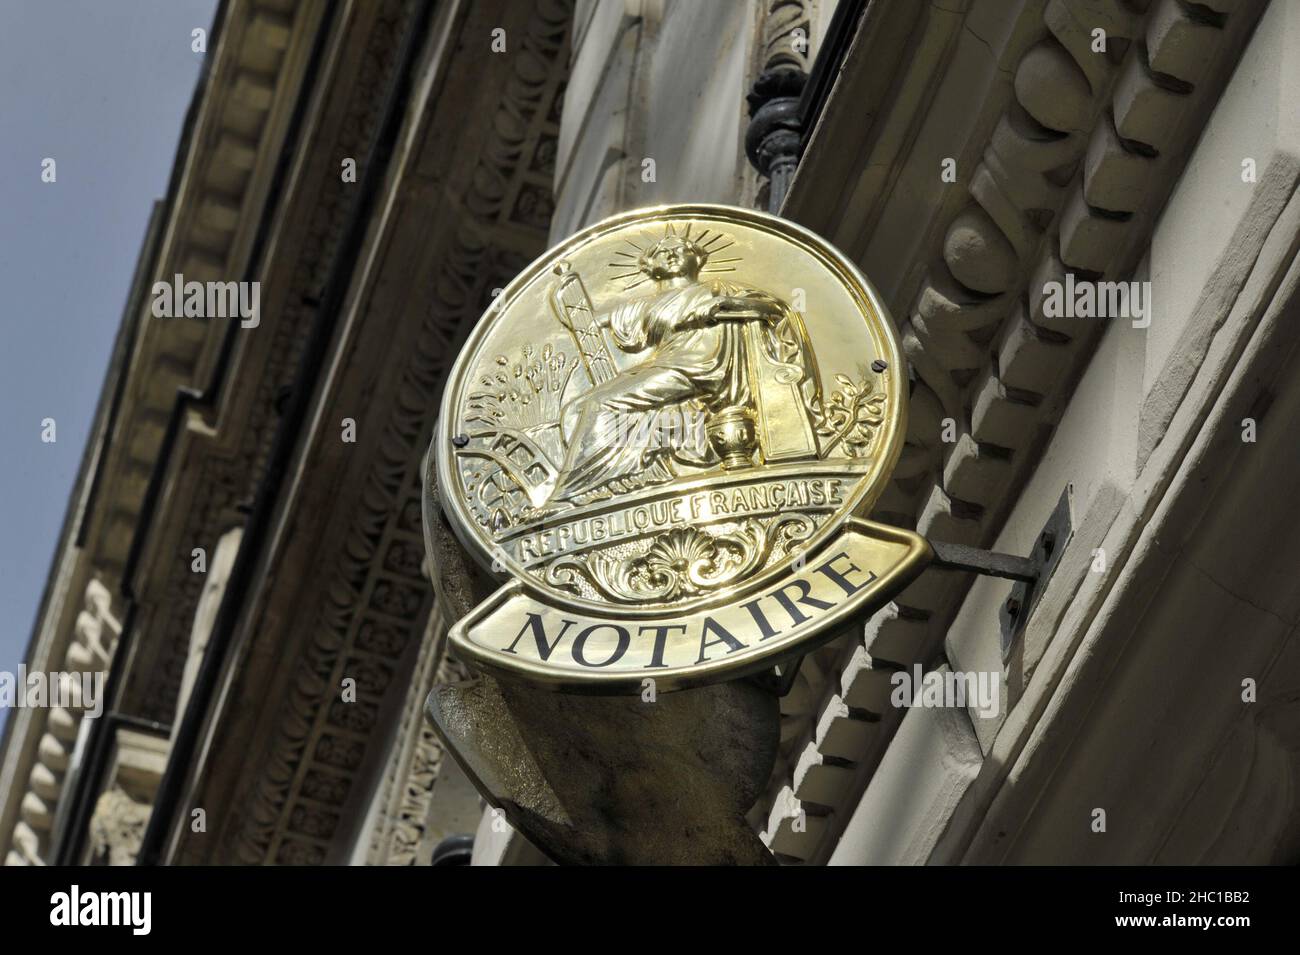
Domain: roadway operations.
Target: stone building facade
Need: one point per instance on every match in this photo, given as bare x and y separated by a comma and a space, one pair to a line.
974, 157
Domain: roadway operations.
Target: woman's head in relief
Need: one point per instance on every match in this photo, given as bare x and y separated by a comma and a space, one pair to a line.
673, 257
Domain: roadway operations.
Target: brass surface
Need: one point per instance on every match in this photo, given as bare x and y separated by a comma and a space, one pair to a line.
674, 421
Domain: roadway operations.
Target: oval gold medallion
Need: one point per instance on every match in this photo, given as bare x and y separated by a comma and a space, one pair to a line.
670, 413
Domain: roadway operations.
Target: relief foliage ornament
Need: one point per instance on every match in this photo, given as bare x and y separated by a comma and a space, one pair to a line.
664, 438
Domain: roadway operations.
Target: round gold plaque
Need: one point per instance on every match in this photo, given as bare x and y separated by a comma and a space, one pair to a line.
677, 412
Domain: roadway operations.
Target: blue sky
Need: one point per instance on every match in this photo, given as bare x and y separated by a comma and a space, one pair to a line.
100, 86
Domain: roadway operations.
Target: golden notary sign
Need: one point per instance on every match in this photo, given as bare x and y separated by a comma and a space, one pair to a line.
667, 434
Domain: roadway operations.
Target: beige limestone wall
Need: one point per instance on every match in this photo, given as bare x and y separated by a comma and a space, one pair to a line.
655, 107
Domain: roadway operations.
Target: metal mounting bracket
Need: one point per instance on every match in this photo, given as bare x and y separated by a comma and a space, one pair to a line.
1030, 573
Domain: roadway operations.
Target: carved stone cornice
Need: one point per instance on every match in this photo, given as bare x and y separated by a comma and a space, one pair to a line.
223, 172
216, 476
293, 767
1071, 156
204, 230
89, 654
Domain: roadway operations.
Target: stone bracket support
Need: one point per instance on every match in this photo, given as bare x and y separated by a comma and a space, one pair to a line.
655, 779
618, 780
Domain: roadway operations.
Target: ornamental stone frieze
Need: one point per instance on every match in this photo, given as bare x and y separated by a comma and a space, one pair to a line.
375, 601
